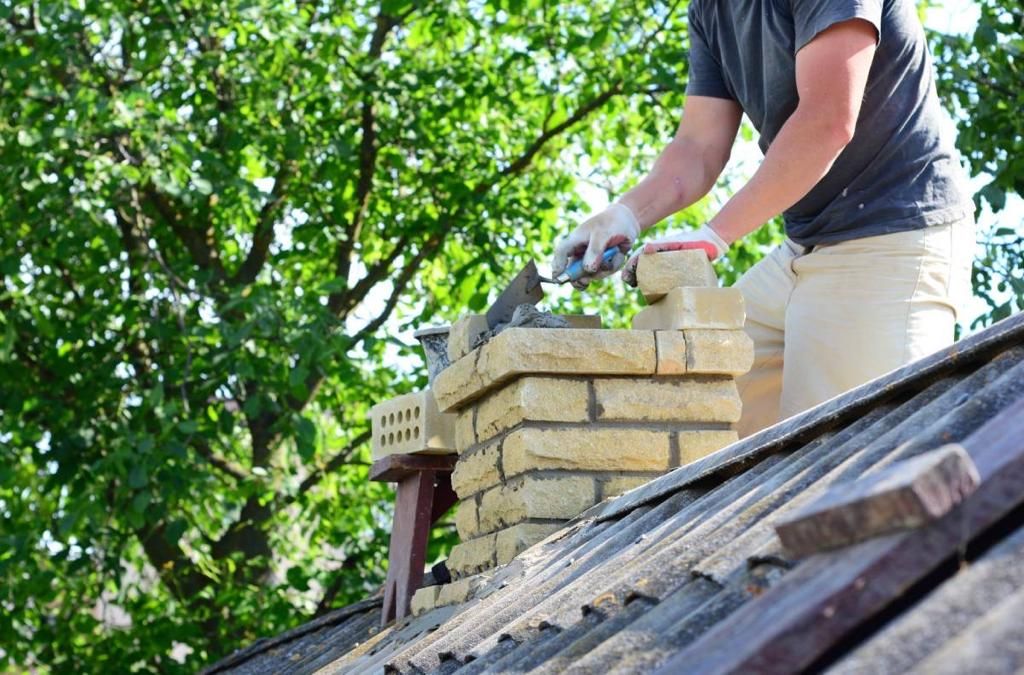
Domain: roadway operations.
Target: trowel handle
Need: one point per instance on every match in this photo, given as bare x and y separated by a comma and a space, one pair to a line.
575, 269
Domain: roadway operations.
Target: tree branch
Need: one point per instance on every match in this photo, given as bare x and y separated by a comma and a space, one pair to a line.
368, 152
177, 572
522, 162
332, 465
199, 245
233, 469
344, 300
263, 235
429, 248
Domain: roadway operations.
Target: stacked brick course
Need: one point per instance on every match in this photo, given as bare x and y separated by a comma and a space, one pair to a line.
552, 421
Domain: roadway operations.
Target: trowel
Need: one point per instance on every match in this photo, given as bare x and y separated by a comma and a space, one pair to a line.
526, 288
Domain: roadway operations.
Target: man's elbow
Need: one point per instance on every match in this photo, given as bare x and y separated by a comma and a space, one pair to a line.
831, 127
841, 129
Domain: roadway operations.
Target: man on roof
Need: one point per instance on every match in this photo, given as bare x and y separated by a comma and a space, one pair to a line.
857, 159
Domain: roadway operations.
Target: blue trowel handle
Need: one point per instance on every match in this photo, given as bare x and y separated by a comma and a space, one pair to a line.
575, 269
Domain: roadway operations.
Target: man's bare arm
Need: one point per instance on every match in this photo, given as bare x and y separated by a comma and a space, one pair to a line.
683, 173
688, 167
831, 74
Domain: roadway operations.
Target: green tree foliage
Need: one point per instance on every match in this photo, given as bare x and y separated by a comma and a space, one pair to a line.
981, 77
216, 214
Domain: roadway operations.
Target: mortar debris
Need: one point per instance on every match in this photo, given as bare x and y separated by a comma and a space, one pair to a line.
524, 316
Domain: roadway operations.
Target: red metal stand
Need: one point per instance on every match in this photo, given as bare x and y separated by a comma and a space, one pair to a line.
423, 493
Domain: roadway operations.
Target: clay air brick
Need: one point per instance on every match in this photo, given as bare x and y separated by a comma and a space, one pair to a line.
424, 600
585, 449
536, 399
691, 399
562, 497
718, 352
476, 471
688, 307
514, 540
466, 522
659, 273
671, 345
472, 556
544, 351
411, 424
463, 334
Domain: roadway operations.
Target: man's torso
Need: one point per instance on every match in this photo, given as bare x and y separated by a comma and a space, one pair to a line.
900, 171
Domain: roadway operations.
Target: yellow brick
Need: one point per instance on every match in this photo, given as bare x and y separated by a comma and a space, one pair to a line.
465, 435
461, 381
544, 351
460, 590
424, 600
472, 556
585, 449
684, 308
411, 424
563, 497
463, 334
659, 273
721, 352
476, 471
689, 399
671, 352
514, 540
560, 351
617, 485
694, 445
535, 399
466, 522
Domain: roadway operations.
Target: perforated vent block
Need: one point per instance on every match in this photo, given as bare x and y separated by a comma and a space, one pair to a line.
411, 424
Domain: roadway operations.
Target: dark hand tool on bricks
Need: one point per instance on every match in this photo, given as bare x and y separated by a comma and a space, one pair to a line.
525, 288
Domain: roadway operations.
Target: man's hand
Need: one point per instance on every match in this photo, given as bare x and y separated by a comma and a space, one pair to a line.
615, 226
703, 238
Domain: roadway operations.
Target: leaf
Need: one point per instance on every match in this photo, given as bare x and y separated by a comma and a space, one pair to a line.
28, 137
188, 426
138, 477
141, 501
305, 438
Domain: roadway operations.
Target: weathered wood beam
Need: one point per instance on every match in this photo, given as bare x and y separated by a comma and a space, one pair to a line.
907, 494
394, 468
830, 595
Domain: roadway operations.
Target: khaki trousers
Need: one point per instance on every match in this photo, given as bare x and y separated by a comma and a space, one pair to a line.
828, 318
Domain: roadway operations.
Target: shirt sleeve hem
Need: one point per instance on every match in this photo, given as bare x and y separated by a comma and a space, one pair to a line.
825, 22
694, 89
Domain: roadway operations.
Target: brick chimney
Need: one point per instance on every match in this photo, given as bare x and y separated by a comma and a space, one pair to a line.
551, 421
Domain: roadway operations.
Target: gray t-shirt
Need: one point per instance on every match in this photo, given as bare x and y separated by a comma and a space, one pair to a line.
900, 172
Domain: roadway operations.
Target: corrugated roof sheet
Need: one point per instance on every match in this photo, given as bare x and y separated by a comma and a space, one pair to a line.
686, 573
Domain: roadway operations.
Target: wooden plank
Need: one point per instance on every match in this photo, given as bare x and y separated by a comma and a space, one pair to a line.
422, 497
444, 496
907, 494
414, 503
394, 468
834, 413
827, 596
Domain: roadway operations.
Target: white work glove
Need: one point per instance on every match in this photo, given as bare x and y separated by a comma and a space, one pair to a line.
615, 226
703, 238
